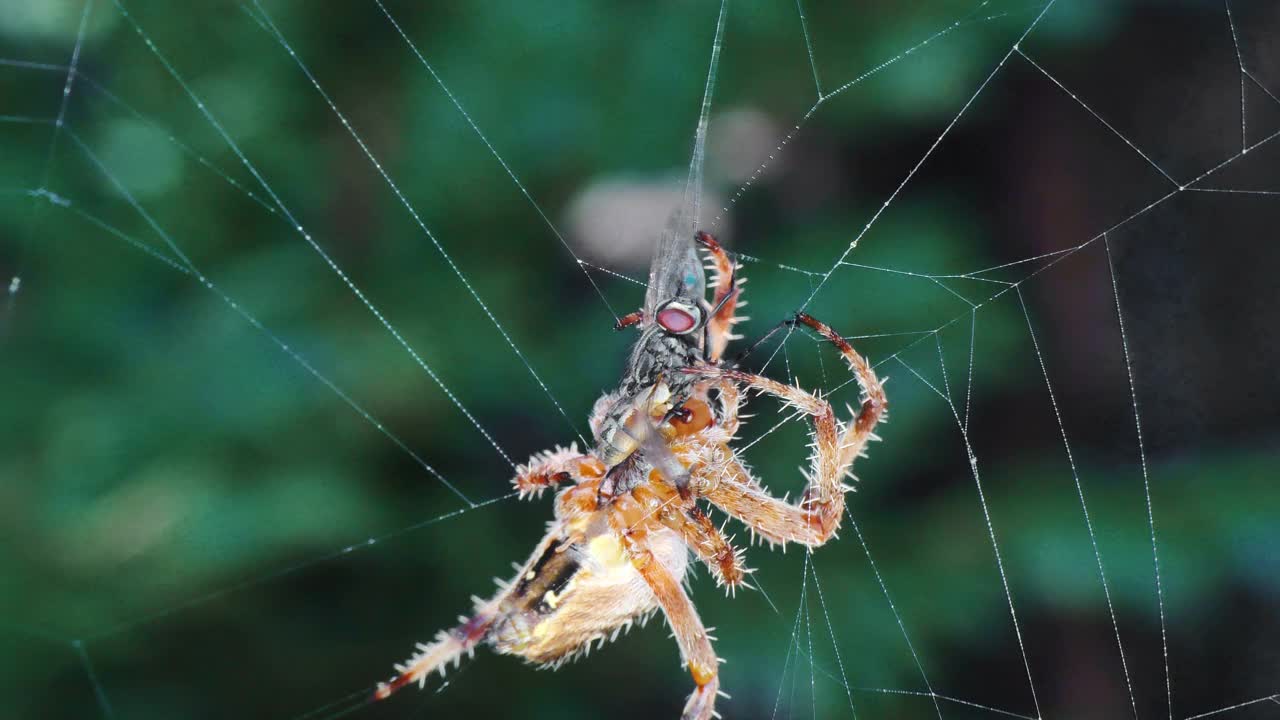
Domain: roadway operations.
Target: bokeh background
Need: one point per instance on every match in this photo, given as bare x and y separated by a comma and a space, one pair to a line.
186, 511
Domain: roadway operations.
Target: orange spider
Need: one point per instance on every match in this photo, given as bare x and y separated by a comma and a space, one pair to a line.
618, 547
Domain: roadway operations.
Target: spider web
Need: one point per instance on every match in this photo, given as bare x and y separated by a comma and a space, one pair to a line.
270, 454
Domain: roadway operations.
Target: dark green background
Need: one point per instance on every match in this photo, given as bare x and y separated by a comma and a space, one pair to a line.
185, 510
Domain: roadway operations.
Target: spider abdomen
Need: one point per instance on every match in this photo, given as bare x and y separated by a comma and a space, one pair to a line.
585, 593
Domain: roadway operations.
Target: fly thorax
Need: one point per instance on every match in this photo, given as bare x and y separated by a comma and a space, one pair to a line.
656, 356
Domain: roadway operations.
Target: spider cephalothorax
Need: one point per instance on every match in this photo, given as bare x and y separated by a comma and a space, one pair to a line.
618, 547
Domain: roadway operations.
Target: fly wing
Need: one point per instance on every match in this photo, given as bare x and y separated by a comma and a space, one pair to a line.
676, 270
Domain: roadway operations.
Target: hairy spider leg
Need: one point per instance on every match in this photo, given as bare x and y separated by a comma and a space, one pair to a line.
728, 398
699, 533
711, 546
727, 298
555, 467
755, 344
630, 519
679, 510
450, 645
816, 517
542, 471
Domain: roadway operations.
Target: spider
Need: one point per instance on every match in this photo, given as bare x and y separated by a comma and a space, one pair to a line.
617, 549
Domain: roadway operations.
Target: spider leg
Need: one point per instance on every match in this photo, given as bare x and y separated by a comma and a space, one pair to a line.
699, 533
727, 297
449, 646
554, 467
729, 402
761, 340
491, 621
630, 519
814, 519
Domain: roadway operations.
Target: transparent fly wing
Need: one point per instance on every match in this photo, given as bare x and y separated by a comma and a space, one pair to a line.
676, 270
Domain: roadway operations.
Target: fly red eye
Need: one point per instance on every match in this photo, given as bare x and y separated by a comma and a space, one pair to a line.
676, 320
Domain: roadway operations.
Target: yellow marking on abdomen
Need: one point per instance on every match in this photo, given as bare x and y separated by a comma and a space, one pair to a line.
606, 550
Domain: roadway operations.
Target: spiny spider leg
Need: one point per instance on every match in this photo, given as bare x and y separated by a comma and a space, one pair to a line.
450, 645
817, 516
728, 394
555, 467
727, 297
699, 533
755, 344
630, 519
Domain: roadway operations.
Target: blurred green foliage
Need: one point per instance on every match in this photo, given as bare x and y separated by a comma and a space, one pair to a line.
192, 492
